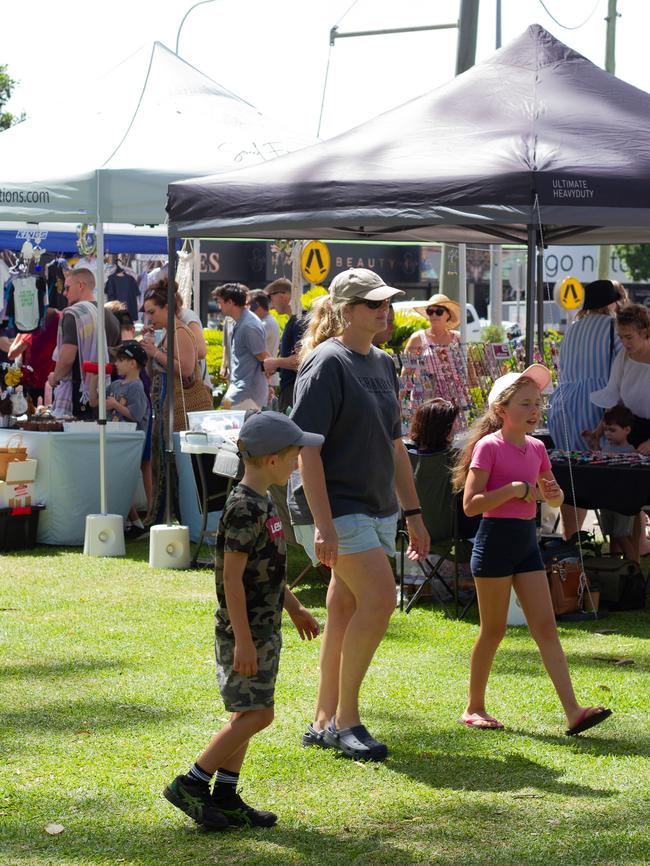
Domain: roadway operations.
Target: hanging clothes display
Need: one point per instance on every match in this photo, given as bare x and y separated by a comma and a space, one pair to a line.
55, 275
25, 302
122, 286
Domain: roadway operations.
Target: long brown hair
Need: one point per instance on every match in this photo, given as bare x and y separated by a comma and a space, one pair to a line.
489, 422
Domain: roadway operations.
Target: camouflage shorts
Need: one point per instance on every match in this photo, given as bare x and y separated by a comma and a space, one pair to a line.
241, 694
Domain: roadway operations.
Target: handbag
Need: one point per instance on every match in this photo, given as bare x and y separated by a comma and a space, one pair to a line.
621, 584
195, 396
564, 583
11, 454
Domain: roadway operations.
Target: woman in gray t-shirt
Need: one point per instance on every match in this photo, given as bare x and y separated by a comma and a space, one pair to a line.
344, 504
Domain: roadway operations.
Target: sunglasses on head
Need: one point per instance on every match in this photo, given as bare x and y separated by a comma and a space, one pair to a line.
372, 305
436, 311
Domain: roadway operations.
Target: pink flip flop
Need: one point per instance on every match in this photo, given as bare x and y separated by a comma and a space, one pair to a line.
492, 724
585, 722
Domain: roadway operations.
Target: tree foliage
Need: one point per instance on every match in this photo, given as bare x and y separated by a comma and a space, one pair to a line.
7, 84
636, 259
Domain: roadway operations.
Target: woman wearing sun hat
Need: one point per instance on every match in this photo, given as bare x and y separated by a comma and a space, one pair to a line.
443, 315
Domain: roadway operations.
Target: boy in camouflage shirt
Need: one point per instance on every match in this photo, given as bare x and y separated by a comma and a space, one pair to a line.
251, 591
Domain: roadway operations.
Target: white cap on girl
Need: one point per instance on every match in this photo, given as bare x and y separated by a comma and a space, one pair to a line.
537, 373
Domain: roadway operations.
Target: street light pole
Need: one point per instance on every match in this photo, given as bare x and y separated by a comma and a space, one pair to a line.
178, 35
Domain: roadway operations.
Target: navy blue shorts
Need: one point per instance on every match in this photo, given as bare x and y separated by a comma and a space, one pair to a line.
505, 546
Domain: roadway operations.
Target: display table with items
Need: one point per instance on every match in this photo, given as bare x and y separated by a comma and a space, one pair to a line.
67, 477
618, 482
207, 463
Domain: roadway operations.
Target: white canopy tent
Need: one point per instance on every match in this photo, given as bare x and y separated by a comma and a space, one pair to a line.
154, 119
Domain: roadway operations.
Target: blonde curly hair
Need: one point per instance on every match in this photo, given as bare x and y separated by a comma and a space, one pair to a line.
326, 320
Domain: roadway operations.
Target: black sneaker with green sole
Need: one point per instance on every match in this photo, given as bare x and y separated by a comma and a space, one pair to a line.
193, 798
239, 813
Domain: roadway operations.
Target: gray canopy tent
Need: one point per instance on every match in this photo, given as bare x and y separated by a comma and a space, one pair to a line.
155, 119
534, 145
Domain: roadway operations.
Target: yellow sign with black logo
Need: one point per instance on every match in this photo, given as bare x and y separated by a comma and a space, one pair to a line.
570, 293
315, 262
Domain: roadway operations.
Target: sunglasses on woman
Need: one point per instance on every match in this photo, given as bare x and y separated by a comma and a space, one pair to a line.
372, 305
435, 311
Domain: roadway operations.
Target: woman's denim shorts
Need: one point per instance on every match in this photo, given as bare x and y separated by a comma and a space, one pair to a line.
505, 546
356, 533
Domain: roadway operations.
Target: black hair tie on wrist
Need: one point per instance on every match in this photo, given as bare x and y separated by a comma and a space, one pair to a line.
412, 512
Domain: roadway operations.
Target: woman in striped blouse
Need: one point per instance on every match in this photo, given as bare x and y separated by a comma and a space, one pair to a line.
586, 356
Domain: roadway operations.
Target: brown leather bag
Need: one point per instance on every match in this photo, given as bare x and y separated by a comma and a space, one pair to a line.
193, 396
564, 583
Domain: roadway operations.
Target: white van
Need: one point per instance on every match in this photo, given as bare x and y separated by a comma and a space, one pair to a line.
474, 324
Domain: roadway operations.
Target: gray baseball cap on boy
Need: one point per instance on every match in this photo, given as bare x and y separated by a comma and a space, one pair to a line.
361, 283
270, 432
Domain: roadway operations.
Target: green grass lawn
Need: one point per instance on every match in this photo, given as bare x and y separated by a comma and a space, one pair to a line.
107, 691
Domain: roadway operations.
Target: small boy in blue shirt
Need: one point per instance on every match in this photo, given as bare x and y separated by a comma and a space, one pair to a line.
125, 397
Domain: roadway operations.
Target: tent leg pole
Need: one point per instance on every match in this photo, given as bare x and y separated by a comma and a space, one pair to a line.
171, 308
540, 298
531, 271
462, 292
101, 363
196, 281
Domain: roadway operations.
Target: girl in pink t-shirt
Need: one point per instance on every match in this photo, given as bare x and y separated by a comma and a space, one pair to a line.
501, 469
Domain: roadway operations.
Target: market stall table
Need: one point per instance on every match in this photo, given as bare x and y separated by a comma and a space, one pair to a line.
621, 488
67, 480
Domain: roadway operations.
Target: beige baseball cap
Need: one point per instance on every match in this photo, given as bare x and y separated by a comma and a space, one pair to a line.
361, 283
537, 373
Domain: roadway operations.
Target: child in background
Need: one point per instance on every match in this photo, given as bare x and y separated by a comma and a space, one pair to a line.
251, 590
500, 469
127, 328
126, 400
432, 431
125, 397
432, 428
621, 528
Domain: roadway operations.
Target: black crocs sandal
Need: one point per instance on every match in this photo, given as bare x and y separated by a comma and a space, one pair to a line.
312, 737
355, 742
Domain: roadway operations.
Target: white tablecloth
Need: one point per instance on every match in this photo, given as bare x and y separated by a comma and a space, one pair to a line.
67, 479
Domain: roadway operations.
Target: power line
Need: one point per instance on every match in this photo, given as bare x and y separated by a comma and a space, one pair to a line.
322, 102
565, 26
347, 12
327, 67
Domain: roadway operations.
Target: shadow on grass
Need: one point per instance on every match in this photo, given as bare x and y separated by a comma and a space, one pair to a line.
479, 773
70, 667
432, 762
592, 744
99, 831
102, 715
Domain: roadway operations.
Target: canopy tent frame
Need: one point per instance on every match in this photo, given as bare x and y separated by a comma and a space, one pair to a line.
115, 176
534, 145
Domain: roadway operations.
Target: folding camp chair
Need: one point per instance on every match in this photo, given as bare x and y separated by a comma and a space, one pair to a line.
448, 527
